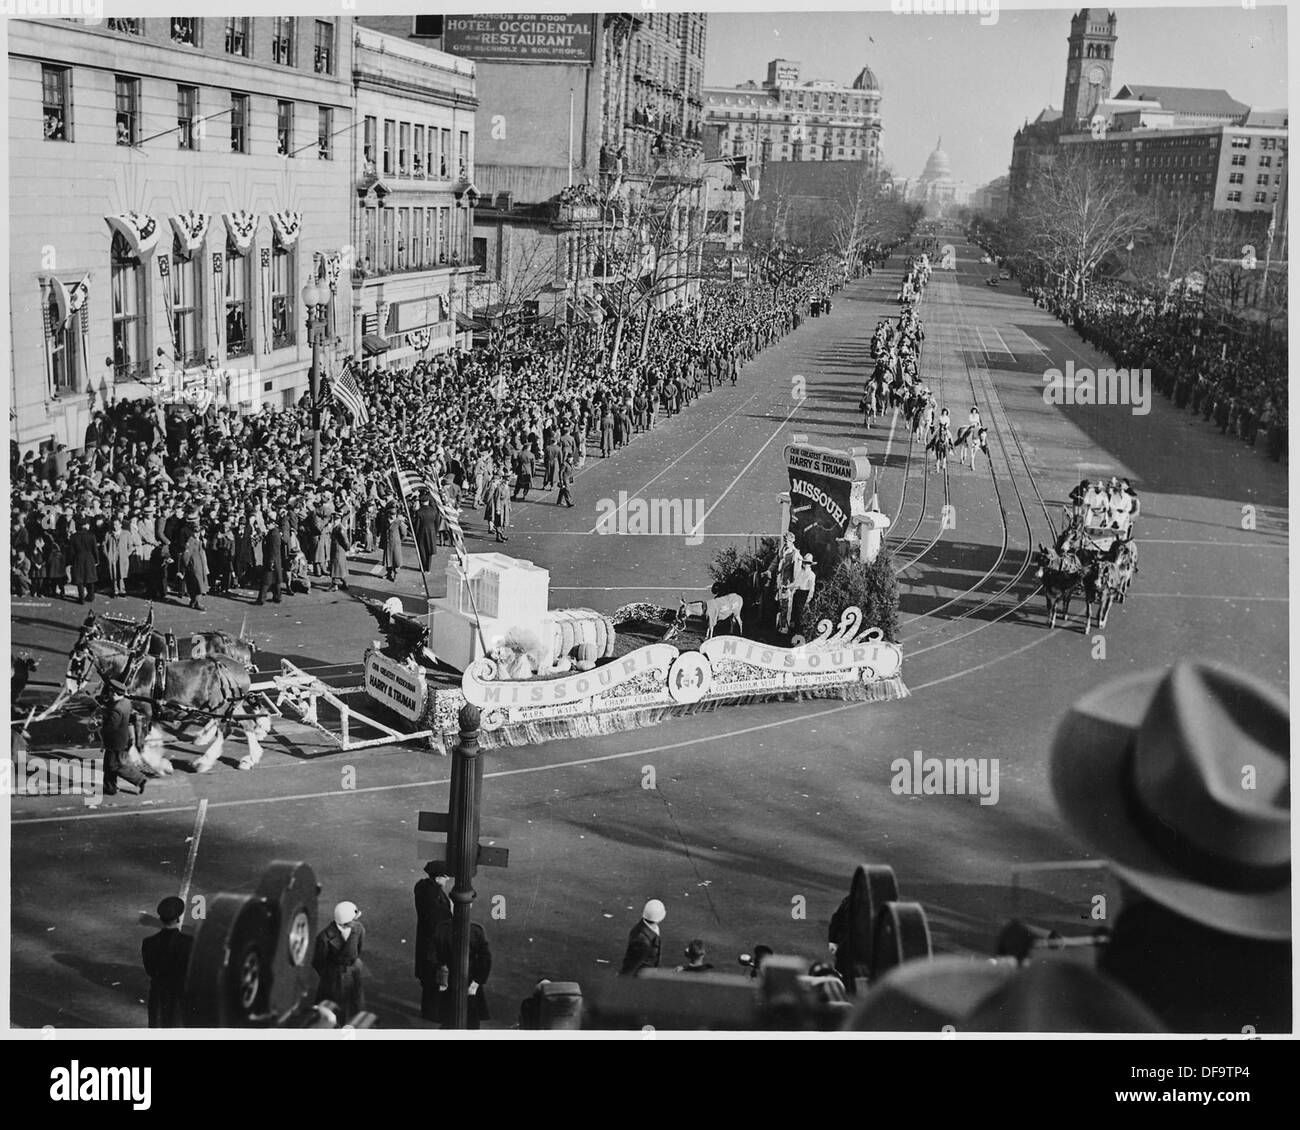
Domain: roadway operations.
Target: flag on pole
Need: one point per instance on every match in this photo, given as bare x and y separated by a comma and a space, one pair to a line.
347, 392
410, 482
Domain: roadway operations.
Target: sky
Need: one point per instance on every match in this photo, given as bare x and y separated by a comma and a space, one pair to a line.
975, 84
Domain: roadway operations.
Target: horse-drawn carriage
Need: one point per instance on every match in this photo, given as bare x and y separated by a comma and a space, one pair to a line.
1093, 554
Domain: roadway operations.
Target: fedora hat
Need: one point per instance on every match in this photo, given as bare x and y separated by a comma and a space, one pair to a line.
975, 995
1180, 778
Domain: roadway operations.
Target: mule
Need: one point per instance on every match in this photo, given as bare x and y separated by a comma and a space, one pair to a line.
716, 608
1061, 576
1101, 586
145, 637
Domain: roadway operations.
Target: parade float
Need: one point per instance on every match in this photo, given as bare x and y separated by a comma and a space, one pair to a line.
540, 674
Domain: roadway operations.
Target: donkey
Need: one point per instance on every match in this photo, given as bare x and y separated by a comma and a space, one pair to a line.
716, 608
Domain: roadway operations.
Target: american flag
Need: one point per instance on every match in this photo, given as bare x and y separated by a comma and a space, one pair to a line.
344, 389
410, 482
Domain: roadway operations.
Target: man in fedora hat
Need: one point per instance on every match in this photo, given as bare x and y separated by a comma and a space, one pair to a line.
118, 730
1181, 779
166, 957
432, 908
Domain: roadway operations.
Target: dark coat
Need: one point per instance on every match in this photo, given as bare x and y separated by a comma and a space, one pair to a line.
273, 551
480, 969
338, 553
337, 961
166, 957
84, 556
643, 945
432, 908
194, 560
427, 522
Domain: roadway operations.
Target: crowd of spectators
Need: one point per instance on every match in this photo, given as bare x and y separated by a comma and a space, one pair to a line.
164, 500
1220, 370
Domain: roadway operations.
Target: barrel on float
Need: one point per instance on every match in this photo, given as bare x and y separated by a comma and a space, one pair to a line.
576, 626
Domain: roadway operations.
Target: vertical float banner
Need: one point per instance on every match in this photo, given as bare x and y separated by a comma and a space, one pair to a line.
826, 488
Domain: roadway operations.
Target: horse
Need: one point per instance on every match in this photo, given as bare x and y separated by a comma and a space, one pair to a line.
1124, 554
716, 608
147, 638
214, 687
940, 442
1101, 585
1061, 576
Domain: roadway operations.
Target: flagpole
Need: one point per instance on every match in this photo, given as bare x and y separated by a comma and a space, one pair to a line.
397, 474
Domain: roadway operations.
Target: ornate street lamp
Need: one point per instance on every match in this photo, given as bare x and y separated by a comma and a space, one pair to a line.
315, 298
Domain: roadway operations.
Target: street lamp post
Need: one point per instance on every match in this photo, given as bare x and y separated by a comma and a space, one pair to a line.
315, 298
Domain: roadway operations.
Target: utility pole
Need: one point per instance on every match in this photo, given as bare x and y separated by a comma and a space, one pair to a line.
314, 298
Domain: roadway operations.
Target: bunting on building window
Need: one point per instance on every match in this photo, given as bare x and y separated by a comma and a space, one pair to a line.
165, 273
139, 231
286, 226
242, 227
266, 295
191, 228
420, 339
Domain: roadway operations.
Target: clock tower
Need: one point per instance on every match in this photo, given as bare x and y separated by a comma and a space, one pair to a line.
1088, 68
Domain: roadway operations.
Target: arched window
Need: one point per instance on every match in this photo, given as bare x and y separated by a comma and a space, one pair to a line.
239, 306
128, 301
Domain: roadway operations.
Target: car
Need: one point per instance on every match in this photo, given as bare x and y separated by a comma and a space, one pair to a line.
991, 281
1004, 274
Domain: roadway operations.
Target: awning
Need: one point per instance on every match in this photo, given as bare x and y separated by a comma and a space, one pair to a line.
465, 322
372, 344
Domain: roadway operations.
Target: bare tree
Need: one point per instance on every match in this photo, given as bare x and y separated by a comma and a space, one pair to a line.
527, 267
1077, 214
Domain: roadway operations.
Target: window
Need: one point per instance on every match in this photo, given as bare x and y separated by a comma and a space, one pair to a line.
1234, 198
1240, 141
480, 253
416, 259
239, 277
1261, 198
400, 237
1238, 158
430, 223
127, 297
417, 152
325, 133
283, 323
324, 56
404, 149
1262, 178
444, 222
282, 40
54, 103
237, 35
284, 129
185, 29
129, 27
368, 145
390, 143
63, 349
368, 223
444, 155
430, 156
187, 112
239, 123
1265, 162
1237, 178
186, 305
386, 222
462, 154
126, 98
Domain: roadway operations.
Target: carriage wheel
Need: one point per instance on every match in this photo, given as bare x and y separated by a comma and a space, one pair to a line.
902, 934
873, 886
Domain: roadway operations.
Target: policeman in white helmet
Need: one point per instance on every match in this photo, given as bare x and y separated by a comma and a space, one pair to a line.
643, 941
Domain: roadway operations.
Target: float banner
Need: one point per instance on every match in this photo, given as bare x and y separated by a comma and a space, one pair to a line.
480, 688
823, 484
883, 660
525, 38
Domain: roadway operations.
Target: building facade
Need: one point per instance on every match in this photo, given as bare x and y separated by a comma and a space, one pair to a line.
174, 182
787, 120
413, 158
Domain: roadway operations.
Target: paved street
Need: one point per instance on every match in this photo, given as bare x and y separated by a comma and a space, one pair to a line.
756, 807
